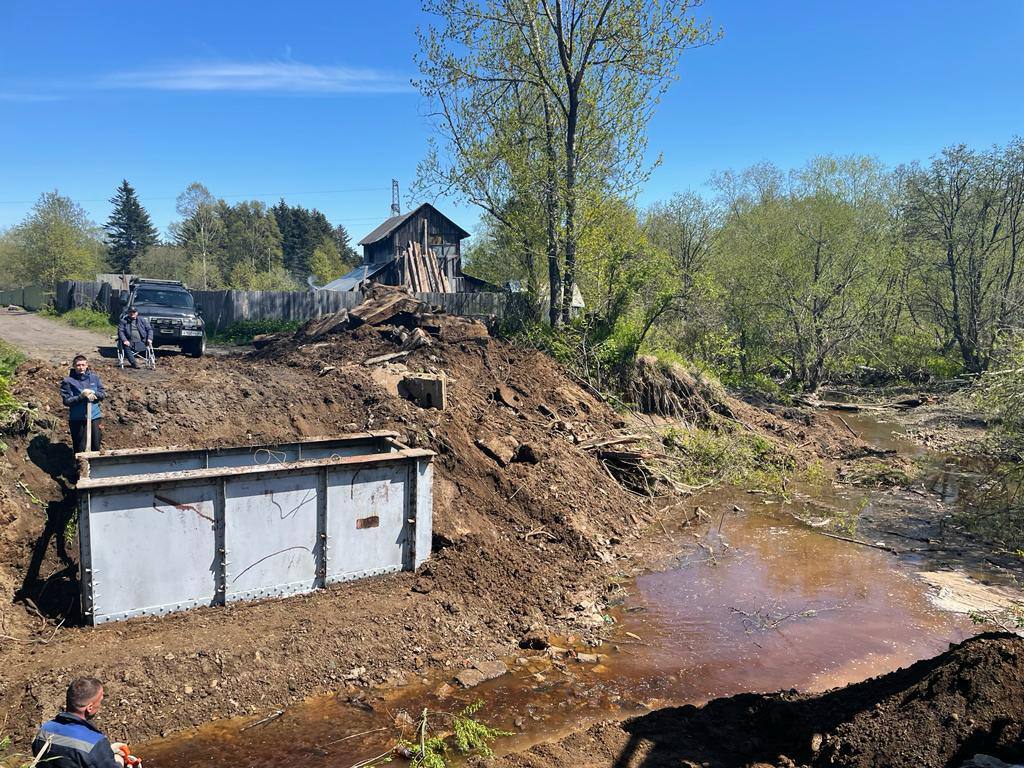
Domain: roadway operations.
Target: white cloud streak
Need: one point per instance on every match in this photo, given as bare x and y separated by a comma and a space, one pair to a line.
266, 77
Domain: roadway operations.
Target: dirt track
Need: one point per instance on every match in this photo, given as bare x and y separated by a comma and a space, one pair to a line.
45, 339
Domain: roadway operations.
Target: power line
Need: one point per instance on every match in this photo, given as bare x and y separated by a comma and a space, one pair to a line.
147, 198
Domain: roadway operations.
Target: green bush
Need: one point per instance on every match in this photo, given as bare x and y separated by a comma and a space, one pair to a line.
728, 455
82, 317
245, 331
10, 358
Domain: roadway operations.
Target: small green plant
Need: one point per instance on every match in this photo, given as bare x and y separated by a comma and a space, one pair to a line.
71, 528
815, 473
11, 759
468, 737
1007, 619
245, 331
10, 358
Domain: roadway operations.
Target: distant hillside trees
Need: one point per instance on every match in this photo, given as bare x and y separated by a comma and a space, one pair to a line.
55, 241
304, 230
129, 230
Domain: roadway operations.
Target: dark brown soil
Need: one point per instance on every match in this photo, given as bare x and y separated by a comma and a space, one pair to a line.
487, 585
935, 714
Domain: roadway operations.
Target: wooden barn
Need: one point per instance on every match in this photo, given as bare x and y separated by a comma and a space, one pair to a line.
421, 250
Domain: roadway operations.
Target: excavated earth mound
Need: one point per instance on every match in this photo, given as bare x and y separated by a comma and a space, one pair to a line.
528, 525
938, 713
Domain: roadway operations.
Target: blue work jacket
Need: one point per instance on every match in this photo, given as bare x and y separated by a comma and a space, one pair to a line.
71, 394
74, 743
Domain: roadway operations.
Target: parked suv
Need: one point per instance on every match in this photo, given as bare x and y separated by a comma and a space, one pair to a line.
171, 311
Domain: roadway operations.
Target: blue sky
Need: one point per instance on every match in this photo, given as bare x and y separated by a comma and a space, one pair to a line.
312, 99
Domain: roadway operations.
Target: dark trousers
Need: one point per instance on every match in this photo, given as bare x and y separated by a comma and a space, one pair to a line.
130, 351
78, 434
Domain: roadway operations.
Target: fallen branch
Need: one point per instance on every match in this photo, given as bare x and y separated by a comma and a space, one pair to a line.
863, 543
269, 718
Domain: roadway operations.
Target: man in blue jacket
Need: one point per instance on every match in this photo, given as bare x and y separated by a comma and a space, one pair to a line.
80, 391
70, 740
134, 334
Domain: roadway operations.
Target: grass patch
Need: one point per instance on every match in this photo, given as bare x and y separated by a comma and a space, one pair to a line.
245, 331
10, 358
727, 454
82, 317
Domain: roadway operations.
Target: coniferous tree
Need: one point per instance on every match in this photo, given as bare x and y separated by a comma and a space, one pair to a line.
129, 229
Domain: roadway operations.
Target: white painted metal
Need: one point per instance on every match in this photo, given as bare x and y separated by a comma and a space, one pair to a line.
270, 528
212, 526
367, 527
151, 551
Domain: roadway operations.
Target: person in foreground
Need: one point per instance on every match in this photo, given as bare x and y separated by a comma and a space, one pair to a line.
81, 390
70, 740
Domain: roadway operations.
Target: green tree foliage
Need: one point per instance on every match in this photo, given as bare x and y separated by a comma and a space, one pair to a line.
163, 262
326, 263
343, 242
200, 234
302, 232
541, 105
56, 241
964, 218
803, 258
129, 229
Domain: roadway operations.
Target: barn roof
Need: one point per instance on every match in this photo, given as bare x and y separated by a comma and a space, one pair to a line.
394, 222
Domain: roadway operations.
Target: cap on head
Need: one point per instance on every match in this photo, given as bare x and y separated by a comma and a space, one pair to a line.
133, 311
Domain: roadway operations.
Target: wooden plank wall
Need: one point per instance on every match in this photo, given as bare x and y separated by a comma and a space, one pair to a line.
222, 309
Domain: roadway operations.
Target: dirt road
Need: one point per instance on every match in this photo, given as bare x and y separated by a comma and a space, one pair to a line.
46, 339
54, 342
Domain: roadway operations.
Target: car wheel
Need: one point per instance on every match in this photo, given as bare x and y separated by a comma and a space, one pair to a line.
195, 348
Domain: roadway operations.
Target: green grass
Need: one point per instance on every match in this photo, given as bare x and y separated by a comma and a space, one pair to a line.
10, 358
730, 455
245, 331
82, 317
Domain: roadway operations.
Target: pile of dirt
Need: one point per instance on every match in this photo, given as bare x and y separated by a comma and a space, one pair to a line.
937, 713
529, 525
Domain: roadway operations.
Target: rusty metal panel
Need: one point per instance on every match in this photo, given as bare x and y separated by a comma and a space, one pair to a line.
355, 547
271, 535
150, 551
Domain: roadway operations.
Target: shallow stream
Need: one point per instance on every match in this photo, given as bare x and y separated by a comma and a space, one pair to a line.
763, 603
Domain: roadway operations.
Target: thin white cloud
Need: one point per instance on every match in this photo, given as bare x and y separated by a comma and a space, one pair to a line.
269, 77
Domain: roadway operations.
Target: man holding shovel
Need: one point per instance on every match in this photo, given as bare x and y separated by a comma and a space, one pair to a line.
81, 391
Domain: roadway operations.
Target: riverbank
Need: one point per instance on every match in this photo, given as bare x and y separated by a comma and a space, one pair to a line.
535, 541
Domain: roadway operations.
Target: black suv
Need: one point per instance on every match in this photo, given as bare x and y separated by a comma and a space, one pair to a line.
170, 309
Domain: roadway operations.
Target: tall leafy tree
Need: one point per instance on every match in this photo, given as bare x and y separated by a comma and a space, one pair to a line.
55, 242
576, 81
200, 234
129, 229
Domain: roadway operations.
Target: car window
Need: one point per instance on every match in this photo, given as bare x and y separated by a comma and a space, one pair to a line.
164, 298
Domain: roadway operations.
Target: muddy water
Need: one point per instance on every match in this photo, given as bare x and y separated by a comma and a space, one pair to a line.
761, 603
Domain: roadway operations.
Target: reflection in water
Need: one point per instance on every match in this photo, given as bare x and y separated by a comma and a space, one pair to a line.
765, 604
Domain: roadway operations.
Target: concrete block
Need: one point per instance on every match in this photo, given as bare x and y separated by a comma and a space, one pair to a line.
427, 390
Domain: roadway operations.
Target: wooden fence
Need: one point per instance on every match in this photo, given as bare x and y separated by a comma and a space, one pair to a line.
31, 297
222, 309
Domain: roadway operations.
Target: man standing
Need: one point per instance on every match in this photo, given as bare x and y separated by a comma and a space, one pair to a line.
81, 391
134, 334
70, 740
